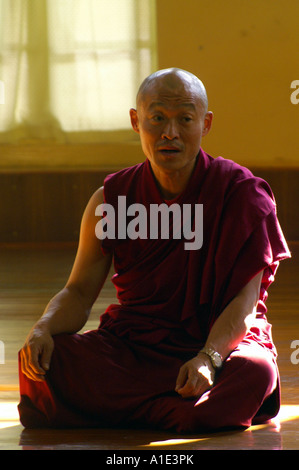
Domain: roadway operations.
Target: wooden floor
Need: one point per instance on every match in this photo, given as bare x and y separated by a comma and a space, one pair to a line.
29, 277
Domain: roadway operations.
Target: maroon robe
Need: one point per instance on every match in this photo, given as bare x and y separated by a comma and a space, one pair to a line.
125, 372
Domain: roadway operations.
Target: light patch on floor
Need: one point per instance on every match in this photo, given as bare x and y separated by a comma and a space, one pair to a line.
9, 415
286, 413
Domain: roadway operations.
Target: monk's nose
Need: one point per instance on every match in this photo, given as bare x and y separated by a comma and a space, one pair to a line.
170, 130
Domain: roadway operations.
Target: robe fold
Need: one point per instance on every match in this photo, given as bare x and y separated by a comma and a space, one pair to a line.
124, 373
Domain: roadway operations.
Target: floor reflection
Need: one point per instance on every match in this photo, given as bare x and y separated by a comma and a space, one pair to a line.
268, 436
279, 433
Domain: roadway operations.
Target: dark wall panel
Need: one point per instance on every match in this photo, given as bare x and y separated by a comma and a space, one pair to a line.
48, 206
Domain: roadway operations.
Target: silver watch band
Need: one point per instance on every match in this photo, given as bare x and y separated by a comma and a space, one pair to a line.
214, 356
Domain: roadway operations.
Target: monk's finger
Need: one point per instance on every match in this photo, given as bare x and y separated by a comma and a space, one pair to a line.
30, 365
190, 386
25, 366
45, 356
181, 378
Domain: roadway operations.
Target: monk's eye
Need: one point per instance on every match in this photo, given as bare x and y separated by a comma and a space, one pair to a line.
157, 118
187, 119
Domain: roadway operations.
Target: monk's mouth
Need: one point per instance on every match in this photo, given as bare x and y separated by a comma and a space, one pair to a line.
169, 151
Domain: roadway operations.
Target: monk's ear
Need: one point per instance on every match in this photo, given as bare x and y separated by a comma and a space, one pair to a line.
134, 120
208, 123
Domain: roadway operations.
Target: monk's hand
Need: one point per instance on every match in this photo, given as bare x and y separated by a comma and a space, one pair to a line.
195, 377
36, 354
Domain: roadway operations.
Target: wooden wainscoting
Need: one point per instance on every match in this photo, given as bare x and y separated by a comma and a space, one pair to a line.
46, 206
42, 207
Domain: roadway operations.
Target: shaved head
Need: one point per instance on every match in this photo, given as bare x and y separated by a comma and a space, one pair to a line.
174, 80
171, 118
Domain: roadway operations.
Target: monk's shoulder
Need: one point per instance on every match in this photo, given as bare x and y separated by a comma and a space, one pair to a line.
121, 182
125, 174
231, 170
241, 186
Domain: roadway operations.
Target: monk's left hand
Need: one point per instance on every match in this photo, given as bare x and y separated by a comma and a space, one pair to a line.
195, 377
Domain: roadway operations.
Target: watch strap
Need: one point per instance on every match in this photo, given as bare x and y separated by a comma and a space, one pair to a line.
214, 356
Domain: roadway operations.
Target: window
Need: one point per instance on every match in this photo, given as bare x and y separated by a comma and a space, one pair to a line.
72, 67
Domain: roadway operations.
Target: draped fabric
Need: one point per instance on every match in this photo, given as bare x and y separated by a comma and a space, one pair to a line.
241, 237
124, 372
60, 64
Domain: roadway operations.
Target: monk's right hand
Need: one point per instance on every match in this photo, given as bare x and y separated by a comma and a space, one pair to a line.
35, 356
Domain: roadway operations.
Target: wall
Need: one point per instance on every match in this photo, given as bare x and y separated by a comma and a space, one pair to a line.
39, 206
44, 188
246, 53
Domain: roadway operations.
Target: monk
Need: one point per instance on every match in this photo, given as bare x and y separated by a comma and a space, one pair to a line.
188, 347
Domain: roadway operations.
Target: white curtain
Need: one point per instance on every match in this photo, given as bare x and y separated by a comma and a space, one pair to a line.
70, 69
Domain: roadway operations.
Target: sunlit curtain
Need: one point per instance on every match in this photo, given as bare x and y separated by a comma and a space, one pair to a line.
72, 67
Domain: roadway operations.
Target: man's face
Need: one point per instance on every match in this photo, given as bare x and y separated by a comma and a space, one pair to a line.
171, 119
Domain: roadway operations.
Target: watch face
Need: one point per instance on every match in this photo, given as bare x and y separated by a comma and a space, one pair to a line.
217, 360
215, 357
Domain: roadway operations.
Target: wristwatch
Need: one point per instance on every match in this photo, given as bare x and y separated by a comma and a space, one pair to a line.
215, 357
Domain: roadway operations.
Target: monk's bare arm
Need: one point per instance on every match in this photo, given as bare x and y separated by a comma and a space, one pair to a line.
68, 311
197, 375
232, 325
